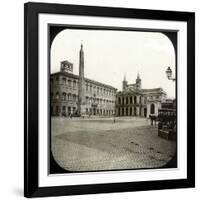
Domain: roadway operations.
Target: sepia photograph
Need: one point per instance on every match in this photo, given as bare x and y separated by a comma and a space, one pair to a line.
109, 99
112, 99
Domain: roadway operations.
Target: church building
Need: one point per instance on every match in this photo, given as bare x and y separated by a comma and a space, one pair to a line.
133, 100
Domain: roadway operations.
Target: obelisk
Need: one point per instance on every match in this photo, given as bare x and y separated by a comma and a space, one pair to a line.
81, 89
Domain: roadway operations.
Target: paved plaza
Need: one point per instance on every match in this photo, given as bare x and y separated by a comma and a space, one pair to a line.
92, 144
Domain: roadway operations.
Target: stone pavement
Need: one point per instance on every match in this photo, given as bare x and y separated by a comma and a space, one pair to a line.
93, 144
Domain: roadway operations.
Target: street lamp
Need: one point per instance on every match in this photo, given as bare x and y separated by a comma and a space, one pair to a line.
169, 74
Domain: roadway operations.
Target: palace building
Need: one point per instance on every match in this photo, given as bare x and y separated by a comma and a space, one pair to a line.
135, 101
77, 95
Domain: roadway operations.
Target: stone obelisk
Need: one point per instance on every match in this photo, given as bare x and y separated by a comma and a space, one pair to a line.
81, 89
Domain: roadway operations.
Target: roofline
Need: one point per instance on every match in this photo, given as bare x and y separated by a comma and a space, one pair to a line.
87, 79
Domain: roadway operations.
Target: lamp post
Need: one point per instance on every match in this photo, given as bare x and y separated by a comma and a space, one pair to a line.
169, 74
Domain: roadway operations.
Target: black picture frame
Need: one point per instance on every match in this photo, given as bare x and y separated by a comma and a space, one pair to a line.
31, 83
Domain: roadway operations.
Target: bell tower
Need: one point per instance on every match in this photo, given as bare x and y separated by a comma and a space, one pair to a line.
138, 82
124, 83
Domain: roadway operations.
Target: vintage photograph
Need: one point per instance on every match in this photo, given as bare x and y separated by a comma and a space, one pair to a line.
112, 99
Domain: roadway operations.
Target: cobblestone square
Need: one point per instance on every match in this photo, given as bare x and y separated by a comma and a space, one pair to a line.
93, 144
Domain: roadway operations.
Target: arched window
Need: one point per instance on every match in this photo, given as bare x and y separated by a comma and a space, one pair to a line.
74, 98
57, 95
135, 113
126, 111
126, 100
74, 84
152, 109
69, 83
130, 111
119, 100
64, 81
64, 96
135, 99
145, 112
69, 97
131, 100
122, 111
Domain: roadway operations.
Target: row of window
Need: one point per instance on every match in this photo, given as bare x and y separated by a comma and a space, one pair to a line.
68, 82
92, 111
98, 100
64, 96
65, 110
72, 110
89, 87
99, 90
73, 97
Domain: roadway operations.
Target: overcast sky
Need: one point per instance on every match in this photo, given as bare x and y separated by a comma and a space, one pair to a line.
111, 54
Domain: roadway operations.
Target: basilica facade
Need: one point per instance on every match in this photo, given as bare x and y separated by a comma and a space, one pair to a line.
133, 100
72, 94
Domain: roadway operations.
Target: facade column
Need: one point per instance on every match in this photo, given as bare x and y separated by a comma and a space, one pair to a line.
138, 99
142, 100
137, 111
142, 111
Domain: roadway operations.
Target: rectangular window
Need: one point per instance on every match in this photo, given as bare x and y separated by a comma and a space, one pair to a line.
64, 81
69, 110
